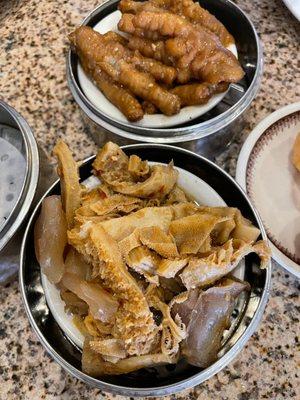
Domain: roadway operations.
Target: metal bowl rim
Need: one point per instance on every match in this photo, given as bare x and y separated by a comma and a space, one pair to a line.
186, 383
31, 175
188, 133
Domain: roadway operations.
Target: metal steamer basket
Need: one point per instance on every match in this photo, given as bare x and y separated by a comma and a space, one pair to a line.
168, 379
208, 134
22, 167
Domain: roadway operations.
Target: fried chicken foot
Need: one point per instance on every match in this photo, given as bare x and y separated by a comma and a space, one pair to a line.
189, 9
115, 93
197, 93
198, 50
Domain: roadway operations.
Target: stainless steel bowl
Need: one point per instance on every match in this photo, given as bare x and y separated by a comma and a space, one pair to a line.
208, 134
19, 164
165, 379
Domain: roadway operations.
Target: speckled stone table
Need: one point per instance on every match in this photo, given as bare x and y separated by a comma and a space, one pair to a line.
33, 45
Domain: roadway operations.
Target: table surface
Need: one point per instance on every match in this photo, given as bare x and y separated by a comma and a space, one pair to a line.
33, 46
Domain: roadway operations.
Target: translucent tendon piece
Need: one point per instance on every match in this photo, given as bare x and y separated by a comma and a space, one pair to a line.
134, 321
116, 203
50, 238
102, 305
156, 239
191, 232
75, 264
199, 16
94, 365
69, 181
207, 316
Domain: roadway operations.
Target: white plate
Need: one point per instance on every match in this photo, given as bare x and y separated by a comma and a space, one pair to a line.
95, 96
191, 184
265, 171
294, 7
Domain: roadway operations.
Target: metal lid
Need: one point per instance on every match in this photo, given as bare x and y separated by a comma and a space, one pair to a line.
19, 169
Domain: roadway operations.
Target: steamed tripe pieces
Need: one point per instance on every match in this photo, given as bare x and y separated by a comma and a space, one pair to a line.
296, 153
111, 164
142, 267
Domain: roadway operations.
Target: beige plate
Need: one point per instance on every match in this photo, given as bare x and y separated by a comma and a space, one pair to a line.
266, 172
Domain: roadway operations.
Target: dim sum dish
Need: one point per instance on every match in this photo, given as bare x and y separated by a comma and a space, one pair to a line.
169, 61
144, 267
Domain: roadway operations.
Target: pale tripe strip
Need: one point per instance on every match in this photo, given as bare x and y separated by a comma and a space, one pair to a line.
94, 365
134, 321
191, 232
69, 181
156, 239
120, 228
202, 271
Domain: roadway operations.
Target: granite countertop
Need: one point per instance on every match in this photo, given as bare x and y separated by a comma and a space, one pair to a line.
32, 79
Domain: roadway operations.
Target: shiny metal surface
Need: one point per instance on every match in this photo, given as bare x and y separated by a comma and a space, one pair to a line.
166, 379
16, 130
213, 130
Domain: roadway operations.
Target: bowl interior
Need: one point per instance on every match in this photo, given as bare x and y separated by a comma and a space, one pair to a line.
246, 43
152, 379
